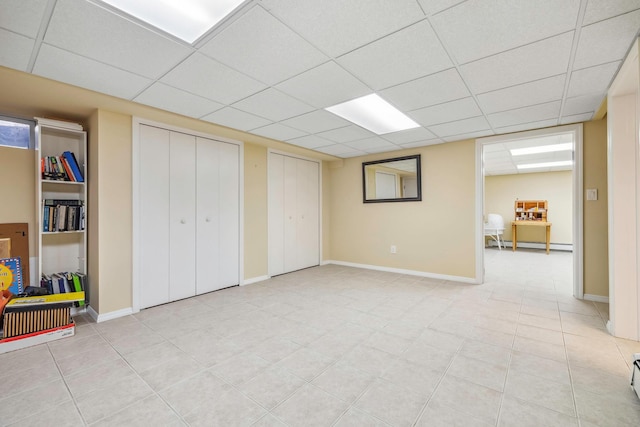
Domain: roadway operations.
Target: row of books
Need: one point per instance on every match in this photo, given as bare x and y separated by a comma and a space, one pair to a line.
63, 215
64, 282
61, 168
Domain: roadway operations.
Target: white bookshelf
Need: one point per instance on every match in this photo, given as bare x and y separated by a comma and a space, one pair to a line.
60, 251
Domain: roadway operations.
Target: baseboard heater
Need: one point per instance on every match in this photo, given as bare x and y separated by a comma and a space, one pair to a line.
567, 247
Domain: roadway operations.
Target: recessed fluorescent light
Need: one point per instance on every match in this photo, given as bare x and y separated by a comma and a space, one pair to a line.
542, 149
185, 19
373, 113
545, 165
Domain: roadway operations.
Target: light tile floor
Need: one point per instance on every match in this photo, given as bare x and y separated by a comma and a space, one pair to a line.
339, 346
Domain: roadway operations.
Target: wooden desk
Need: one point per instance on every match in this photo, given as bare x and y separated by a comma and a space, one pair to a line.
514, 230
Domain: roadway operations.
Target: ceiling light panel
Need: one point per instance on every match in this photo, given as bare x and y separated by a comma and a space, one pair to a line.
187, 19
373, 113
543, 165
567, 146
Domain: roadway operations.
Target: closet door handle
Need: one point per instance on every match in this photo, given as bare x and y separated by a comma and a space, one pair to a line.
183, 221
207, 219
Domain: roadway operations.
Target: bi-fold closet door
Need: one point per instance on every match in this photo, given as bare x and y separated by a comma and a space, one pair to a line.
189, 215
294, 227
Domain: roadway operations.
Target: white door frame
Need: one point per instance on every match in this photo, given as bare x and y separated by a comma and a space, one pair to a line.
319, 162
135, 162
578, 249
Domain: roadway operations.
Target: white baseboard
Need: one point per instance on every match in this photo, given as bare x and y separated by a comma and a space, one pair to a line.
108, 316
403, 271
567, 247
255, 280
596, 298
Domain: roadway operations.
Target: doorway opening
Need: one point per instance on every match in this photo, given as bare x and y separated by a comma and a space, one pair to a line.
543, 165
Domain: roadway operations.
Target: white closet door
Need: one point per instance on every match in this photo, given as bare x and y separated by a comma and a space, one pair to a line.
207, 238
291, 214
182, 215
307, 210
229, 215
276, 214
154, 216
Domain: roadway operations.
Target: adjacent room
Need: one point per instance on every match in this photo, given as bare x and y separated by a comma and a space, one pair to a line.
286, 213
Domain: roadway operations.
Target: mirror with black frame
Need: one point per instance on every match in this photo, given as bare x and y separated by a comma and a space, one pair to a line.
392, 180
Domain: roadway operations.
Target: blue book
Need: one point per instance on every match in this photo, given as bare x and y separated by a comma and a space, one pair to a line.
73, 164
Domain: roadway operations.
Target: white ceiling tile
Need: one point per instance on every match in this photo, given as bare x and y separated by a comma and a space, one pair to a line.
371, 143
536, 92
260, 46
460, 127
532, 62
469, 135
479, 28
15, 50
599, 10
92, 31
346, 134
340, 150
236, 119
447, 112
76, 70
352, 154
168, 98
434, 89
606, 41
278, 131
383, 149
527, 126
324, 86
337, 26
592, 80
422, 143
273, 105
406, 55
530, 114
22, 16
205, 77
310, 141
409, 136
582, 104
316, 121
434, 6
585, 117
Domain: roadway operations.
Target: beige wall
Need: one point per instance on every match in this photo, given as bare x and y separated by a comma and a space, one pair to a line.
501, 192
596, 257
18, 195
435, 235
255, 208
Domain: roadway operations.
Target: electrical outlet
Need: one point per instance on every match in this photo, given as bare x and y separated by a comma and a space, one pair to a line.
592, 194
393, 249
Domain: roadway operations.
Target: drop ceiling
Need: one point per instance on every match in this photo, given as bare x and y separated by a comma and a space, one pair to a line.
461, 69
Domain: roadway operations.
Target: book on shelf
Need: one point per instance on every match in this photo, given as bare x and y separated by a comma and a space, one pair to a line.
65, 283
61, 168
62, 215
73, 164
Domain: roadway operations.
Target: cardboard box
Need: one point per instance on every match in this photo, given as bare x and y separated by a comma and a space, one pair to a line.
35, 338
